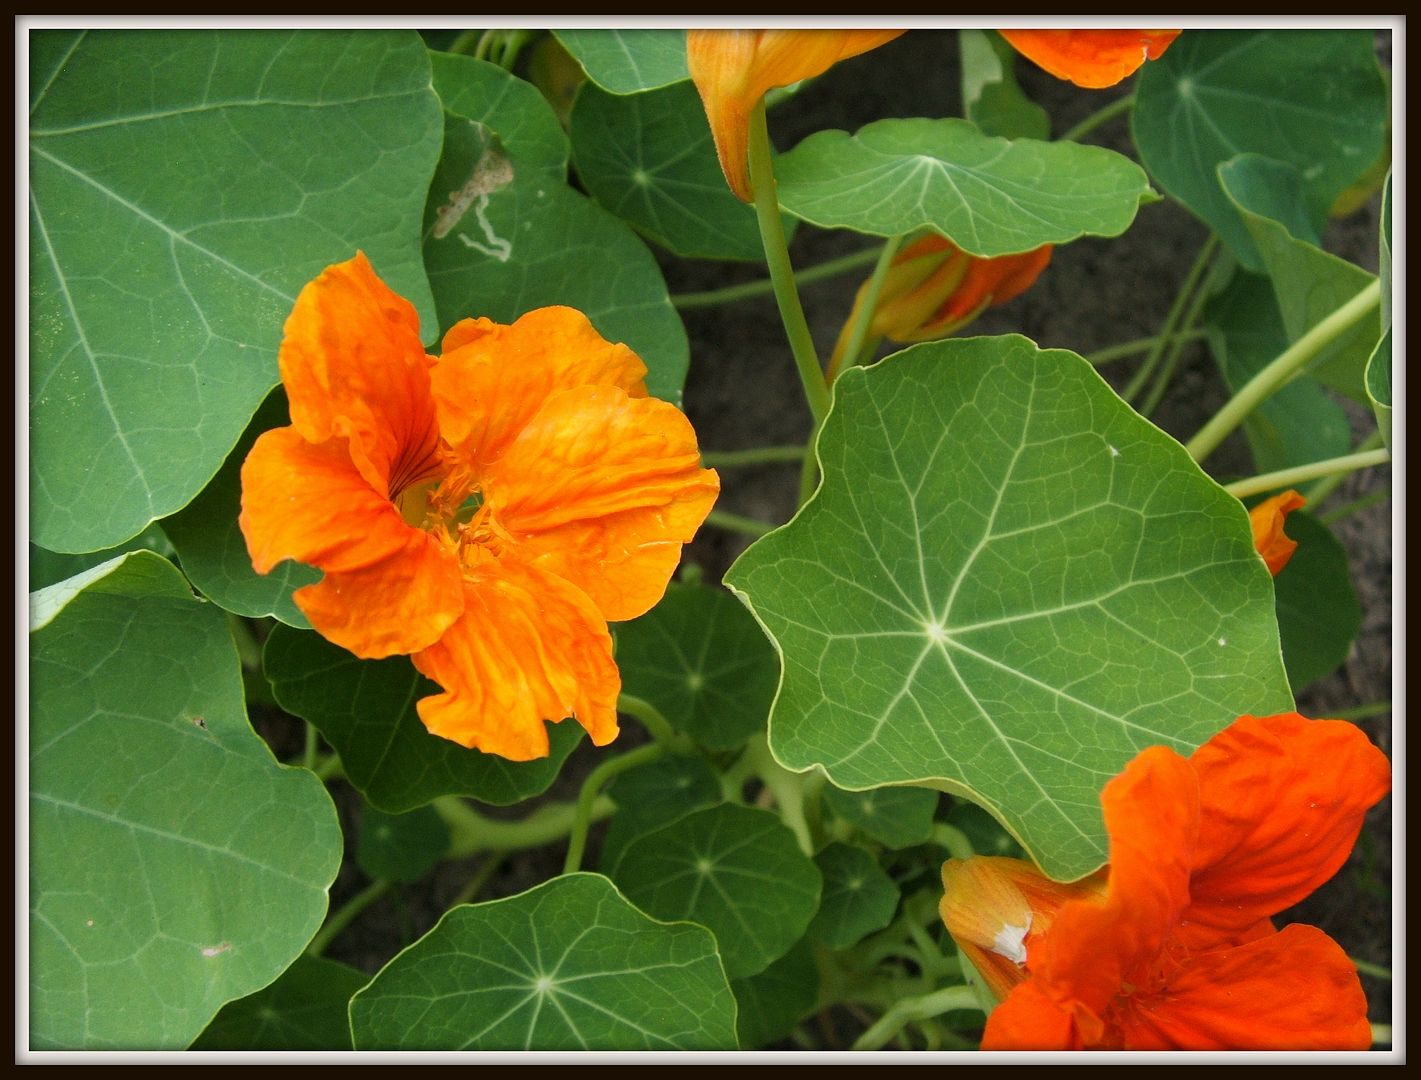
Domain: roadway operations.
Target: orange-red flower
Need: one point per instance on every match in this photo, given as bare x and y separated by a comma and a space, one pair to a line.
487, 511
734, 69
934, 288
1172, 947
1267, 519
1090, 58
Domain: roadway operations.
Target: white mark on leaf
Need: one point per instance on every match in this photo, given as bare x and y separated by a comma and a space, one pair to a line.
492, 172
216, 950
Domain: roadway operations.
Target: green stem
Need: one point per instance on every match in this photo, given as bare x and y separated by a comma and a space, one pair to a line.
787, 789
470, 832
953, 839
1363, 712
724, 519
329, 769
864, 312
650, 717
732, 780
760, 455
1112, 353
1286, 478
1279, 371
587, 797
1381, 1034
772, 236
1100, 116
476, 883
249, 650
346, 915
765, 287
1172, 319
308, 759
1326, 486
1347, 509
905, 1012
1176, 347
1376, 971
467, 42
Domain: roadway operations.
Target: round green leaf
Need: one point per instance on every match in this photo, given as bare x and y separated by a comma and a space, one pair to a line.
174, 865
214, 552
984, 832
702, 660
366, 710
1309, 283
628, 61
773, 1001
522, 118
859, 897
569, 965
1378, 373
1007, 584
1314, 99
989, 196
184, 186
653, 795
503, 238
401, 847
305, 1009
735, 870
50, 567
649, 159
991, 97
1318, 611
1299, 423
896, 816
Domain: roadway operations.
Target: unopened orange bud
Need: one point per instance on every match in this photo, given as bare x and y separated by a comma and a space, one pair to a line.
1267, 519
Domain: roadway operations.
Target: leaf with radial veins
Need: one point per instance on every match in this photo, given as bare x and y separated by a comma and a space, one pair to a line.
366, 709
184, 186
568, 965
305, 1009
628, 61
174, 865
1007, 584
501, 101
1318, 611
1314, 99
989, 196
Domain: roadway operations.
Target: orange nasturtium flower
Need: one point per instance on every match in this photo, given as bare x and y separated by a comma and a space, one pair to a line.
1172, 946
487, 511
1267, 520
734, 69
1090, 58
934, 288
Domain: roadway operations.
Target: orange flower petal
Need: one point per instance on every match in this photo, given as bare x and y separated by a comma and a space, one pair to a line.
529, 648
1282, 800
1090, 58
353, 366
1029, 1020
493, 379
988, 282
1151, 814
734, 69
1294, 990
1267, 520
603, 489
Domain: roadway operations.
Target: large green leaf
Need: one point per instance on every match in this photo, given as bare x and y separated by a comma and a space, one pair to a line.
184, 186
49, 567
989, 196
628, 61
773, 1001
174, 865
653, 795
1318, 611
505, 104
1300, 422
649, 159
1314, 99
1309, 283
305, 1009
502, 238
1007, 584
702, 660
214, 552
366, 711
735, 870
569, 965
1378, 372
401, 847
991, 97
859, 897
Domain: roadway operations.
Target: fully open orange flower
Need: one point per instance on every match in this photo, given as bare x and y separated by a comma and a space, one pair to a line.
1090, 58
1172, 946
734, 69
1267, 519
934, 288
487, 511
